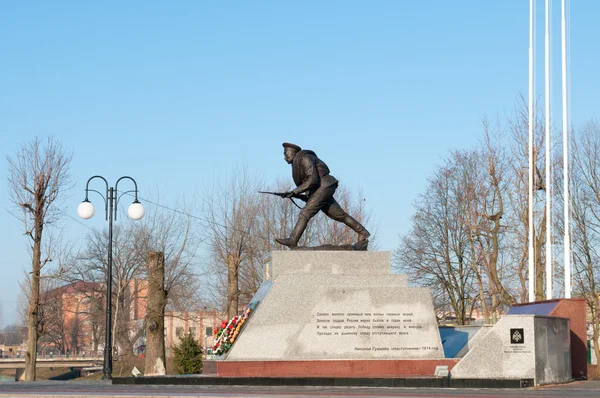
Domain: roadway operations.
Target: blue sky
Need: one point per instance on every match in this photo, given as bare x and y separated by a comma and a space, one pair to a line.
176, 94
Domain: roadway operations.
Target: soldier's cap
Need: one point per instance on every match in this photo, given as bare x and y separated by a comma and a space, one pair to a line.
294, 146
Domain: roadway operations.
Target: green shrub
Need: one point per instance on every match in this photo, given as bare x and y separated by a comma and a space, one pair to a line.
187, 358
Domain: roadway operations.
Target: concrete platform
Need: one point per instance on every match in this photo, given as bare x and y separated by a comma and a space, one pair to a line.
411, 382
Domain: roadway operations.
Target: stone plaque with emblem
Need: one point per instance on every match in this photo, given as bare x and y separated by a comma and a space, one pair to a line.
517, 336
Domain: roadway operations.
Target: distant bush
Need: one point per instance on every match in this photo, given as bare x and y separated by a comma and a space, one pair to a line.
187, 358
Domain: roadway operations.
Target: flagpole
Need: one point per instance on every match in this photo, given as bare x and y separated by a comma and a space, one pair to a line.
548, 111
530, 158
565, 126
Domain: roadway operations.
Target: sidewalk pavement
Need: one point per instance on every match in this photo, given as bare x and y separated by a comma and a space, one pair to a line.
93, 389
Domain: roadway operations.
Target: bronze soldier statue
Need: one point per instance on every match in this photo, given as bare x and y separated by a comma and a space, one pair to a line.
316, 187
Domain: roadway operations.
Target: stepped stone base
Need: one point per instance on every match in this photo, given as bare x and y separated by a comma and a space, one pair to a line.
338, 306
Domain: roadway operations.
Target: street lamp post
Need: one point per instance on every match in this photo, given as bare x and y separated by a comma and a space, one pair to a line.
86, 211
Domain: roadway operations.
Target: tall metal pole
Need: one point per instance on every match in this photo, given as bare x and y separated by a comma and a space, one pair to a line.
565, 127
108, 343
531, 144
86, 211
548, 111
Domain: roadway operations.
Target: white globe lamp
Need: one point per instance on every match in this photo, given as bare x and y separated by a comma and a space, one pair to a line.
86, 210
136, 211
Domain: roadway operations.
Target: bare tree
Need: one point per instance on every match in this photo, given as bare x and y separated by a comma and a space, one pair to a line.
232, 210
436, 251
474, 214
176, 234
128, 260
67, 316
585, 213
14, 334
169, 231
38, 176
517, 218
486, 185
52, 329
470, 179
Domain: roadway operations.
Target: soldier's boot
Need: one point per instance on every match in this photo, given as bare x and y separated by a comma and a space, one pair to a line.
357, 227
292, 241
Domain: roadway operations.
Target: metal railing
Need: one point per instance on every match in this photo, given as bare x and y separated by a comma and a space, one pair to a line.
83, 356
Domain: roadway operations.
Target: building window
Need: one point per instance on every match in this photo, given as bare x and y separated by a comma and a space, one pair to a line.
179, 332
193, 331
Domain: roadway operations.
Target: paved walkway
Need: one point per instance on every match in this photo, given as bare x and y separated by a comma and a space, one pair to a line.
43, 389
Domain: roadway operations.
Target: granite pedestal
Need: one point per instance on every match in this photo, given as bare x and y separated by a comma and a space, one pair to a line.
343, 309
344, 315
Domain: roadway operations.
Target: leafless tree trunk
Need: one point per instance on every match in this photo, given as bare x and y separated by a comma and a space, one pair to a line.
38, 174
233, 265
493, 211
155, 315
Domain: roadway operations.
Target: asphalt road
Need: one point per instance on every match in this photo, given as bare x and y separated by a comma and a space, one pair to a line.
104, 389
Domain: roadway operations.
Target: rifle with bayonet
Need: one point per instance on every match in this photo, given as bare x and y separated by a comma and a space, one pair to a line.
289, 195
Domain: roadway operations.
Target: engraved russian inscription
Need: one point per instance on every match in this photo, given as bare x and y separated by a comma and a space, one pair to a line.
371, 328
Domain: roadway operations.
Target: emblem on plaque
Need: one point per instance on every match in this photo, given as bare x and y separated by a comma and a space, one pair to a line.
517, 336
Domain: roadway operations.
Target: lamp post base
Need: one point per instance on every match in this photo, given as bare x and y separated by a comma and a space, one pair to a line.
107, 367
